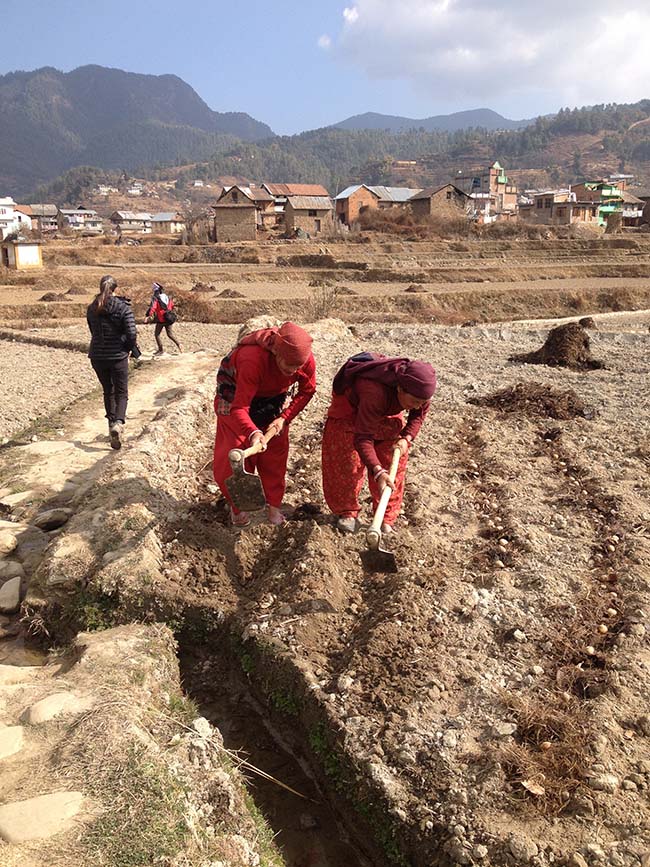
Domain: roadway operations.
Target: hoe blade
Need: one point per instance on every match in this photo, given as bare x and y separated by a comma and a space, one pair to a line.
246, 492
378, 560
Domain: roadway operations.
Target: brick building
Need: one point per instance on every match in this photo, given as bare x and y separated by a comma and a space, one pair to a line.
241, 213
352, 201
281, 192
436, 200
558, 208
312, 214
44, 217
493, 182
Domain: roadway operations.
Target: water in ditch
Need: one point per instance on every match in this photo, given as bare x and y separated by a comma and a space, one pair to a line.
308, 833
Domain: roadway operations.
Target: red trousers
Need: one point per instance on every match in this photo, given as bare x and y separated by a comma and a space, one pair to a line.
344, 473
271, 464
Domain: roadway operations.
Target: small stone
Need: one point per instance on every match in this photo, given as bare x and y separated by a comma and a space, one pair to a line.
344, 683
40, 817
595, 851
52, 519
537, 669
10, 569
11, 740
54, 705
519, 635
604, 783
522, 848
202, 727
576, 860
479, 852
450, 739
629, 786
503, 729
8, 542
10, 596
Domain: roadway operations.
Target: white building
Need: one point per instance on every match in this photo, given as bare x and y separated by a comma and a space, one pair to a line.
80, 219
8, 222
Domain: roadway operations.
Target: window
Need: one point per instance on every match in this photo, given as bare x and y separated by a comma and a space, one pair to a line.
235, 197
312, 212
539, 203
561, 212
548, 203
317, 225
449, 194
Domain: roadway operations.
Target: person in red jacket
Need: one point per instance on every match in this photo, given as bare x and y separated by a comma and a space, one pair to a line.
161, 311
253, 385
364, 424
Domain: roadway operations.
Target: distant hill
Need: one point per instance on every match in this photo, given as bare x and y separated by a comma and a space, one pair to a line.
483, 118
52, 121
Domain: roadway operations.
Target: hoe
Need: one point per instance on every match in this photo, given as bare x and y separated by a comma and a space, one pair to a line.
375, 558
245, 488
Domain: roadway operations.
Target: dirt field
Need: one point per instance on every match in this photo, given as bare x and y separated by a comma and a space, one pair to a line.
488, 703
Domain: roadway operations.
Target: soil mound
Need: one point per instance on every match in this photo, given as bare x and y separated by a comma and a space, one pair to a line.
77, 290
230, 293
535, 399
203, 287
414, 287
565, 346
53, 296
587, 322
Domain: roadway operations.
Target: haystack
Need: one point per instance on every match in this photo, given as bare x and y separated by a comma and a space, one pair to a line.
565, 346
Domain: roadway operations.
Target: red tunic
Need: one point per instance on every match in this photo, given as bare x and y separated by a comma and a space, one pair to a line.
257, 375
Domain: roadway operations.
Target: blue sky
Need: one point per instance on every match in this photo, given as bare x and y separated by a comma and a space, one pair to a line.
308, 63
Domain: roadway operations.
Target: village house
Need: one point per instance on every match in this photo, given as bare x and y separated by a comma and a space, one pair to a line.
352, 201
312, 214
8, 223
557, 208
493, 182
79, 219
606, 194
23, 216
44, 218
135, 189
131, 221
281, 192
435, 200
241, 213
104, 190
167, 223
21, 255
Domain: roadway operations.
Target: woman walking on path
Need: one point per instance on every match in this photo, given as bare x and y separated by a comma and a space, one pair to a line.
161, 311
253, 384
364, 424
113, 337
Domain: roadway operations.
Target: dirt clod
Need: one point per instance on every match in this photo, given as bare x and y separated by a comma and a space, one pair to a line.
225, 293
534, 399
565, 346
53, 296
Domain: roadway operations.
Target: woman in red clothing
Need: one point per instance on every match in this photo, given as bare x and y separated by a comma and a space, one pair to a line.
253, 383
364, 424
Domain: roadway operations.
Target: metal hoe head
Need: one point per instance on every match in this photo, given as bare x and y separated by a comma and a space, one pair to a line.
374, 557
245, 489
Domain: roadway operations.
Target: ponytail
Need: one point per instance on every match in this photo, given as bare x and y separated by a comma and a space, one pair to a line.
107, 285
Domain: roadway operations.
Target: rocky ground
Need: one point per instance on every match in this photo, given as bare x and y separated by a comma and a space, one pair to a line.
489, 700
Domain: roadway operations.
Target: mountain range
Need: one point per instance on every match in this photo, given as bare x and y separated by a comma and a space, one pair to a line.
484, 118
52, 121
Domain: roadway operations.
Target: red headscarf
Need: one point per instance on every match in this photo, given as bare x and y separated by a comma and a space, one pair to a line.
418, 378
291, 342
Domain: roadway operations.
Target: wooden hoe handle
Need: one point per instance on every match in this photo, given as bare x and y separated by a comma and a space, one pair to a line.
236, 456
373, 533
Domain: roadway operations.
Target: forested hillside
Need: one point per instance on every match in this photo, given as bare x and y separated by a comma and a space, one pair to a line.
52, 121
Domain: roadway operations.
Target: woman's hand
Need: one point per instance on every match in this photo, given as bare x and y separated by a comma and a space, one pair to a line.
383, 481
258, 437
276, 427
403, 445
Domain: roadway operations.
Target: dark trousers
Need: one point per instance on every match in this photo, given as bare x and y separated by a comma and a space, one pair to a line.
114, 377
170, 333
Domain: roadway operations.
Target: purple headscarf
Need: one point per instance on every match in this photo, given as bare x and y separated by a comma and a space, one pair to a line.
418, 378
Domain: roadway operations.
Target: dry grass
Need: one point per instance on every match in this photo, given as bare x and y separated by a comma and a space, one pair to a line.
551, 755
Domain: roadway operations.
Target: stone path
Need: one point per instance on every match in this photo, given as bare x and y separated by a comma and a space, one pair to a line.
49, 478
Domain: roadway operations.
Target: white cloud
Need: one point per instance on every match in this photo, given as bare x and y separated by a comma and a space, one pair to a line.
324, 41
493, 52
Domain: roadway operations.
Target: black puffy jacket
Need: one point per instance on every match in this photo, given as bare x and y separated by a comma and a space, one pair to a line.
113, 330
